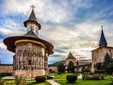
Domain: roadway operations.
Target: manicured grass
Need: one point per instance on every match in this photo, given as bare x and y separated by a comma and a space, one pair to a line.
61, 76
85, 82
33, 83
12, 82
61, 79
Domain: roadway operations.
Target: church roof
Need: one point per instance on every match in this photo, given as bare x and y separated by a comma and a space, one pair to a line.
70, 56
32, 18
10, 41
102, 41
31, 33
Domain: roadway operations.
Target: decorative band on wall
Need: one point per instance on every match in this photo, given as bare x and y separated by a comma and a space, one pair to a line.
30, 41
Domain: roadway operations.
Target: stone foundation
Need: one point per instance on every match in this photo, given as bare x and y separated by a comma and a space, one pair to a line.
29, 74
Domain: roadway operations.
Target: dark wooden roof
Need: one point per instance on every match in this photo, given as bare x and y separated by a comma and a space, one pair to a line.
10, 41
32, 18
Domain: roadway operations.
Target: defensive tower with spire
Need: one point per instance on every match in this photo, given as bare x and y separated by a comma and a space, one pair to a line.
31, 52
99, 53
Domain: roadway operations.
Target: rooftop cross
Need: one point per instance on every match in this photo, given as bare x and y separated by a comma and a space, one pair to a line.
32, 6
101, 27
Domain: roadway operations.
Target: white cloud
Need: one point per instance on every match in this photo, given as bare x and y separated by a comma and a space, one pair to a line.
79, 38
10, 28
47, 10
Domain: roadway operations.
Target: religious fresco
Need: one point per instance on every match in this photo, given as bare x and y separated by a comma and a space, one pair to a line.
29, 57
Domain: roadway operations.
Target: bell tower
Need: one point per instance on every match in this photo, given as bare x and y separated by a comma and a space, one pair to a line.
31, 23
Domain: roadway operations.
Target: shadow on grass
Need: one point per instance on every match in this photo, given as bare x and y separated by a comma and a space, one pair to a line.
34, 83
72, 83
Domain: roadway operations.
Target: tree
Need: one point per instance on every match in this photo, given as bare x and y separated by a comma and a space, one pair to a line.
99, 66
83, 70
106, 63
71, 67
61, 67
107, 59
110, 68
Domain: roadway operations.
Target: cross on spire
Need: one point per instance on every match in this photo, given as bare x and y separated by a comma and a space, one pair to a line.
32, 6
101, 27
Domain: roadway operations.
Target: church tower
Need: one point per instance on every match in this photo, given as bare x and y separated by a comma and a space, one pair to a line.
99, 53
31, 52
31, 23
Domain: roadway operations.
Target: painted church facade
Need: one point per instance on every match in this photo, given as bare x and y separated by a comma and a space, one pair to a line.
31, 52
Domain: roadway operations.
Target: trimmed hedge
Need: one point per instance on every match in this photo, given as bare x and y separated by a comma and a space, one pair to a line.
71, 78
40, 79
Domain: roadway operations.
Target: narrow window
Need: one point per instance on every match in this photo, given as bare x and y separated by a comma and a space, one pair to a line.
29, 62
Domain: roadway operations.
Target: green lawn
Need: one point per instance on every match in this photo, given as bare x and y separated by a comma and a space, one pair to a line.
62, 80
45, 83
85, 82
12, 82
61, 76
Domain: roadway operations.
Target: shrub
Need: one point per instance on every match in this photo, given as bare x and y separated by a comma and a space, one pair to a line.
71, 78
40, 79
18, 80
1, 81
93, 76
59, 73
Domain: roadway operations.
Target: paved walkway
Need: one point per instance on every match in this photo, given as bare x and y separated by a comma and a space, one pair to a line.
80, 76
8, 77
52, 82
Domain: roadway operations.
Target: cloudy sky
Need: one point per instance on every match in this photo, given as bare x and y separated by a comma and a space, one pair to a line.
70, 25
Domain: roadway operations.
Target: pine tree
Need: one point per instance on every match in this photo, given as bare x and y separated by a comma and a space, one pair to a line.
107, 61
61, 67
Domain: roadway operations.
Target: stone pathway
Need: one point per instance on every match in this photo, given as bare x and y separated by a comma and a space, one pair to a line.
8, 77
80, 76
52, 82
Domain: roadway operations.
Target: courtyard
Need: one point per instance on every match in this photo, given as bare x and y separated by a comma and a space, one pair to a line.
61, 80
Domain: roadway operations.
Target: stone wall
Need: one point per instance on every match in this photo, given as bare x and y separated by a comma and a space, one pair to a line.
99, 54
53, 69
5, 68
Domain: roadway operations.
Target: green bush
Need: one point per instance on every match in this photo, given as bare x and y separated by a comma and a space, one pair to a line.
1, 81
59, 73
40, 79
71, 78
93, 76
